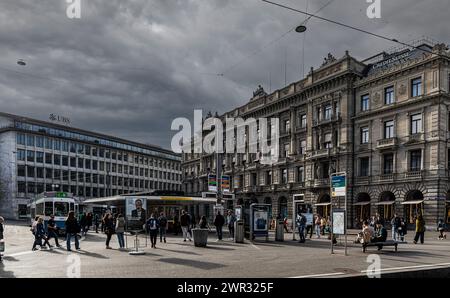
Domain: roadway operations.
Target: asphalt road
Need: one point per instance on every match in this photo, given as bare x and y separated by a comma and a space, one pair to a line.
176, 258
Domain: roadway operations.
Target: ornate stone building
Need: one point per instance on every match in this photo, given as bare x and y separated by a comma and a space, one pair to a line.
383, 121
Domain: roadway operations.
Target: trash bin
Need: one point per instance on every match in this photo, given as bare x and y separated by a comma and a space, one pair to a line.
279, 230
200, 237
239, 231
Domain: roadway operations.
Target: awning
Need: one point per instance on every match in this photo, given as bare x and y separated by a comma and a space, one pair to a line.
412, 202
385, 203
361, 204
323, 204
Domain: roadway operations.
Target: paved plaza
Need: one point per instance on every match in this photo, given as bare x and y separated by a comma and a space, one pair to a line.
227, 259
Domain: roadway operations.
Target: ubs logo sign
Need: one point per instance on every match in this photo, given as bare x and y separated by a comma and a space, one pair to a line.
58, 118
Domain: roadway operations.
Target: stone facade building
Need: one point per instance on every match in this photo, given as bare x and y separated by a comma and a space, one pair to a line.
383, 121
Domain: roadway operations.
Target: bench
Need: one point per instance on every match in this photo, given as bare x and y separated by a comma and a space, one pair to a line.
385, 243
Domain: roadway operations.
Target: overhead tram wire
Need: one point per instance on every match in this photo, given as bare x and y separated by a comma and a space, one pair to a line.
353, 28
271, 42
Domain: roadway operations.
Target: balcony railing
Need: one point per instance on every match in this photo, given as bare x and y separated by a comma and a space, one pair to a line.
414, 175
414, 138
320, 153
385, 143
333, 118
387, 177
321, 182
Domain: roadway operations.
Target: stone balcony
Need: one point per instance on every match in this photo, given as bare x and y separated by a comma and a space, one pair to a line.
414, 175
325, 182
333, 118
386, 143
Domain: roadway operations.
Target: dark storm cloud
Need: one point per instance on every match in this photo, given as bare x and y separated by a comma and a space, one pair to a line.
128, 68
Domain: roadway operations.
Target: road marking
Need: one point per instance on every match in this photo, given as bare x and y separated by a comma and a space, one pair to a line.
22, 253
256, 246
319, 275
410, 267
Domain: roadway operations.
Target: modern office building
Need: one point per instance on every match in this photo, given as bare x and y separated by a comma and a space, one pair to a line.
38, 156
384, 121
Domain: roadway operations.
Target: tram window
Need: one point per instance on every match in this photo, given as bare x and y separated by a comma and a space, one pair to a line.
72, 207
48, 208
39, 209
61, 209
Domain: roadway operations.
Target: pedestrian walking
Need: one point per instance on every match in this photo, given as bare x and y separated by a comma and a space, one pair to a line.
231, 219
185, 220
96, 223
163, 222
52, 230
301, 224
40, 235
219, 221
120, 230
83, 223
420, 229
317, 225
441, 230
109, 228
152, 228
395, 224
72, 230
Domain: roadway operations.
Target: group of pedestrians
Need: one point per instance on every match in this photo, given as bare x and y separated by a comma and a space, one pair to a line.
40, 233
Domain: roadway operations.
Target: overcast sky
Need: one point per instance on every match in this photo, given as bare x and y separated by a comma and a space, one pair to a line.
128, 68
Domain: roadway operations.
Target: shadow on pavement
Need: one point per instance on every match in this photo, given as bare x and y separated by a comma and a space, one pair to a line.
181, 251
3, 273
192, 263
91, 254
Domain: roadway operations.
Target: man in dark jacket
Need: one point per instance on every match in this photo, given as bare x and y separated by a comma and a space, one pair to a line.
219, 221
185, 221
162, 227
72, 229
52, 230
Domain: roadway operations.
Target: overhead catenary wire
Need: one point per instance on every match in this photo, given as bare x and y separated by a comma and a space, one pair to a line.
352, 27
259, 50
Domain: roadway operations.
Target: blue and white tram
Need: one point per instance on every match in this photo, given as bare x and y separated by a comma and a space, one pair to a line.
57, 203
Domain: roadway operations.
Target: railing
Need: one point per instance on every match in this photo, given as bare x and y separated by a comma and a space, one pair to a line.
333, 118
418, 137
414, 174
387, 142
387, 177
321, 182
320, 153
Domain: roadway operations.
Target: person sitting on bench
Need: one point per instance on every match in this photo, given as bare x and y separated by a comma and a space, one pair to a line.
381, 235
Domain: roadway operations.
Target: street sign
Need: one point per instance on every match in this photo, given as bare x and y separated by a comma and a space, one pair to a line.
338, 185
212, 183
225, 184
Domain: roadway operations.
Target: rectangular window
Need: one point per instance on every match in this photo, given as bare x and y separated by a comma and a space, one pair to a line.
65, 161
48, 173
95, 165
389, 129
20, 138
40, 142
80, 148
21, 170
389, 95
80, 163
416, 87
364, 135
328, 141
65, 175
30, 156
30, 140
286, 150
388, 163
415, 162
20, 154
57, 174
284, 176
30, 171
48, 143
300, 174
365, 103
40, 157
101, 152
88, 164
303, 121
364, 167
416, 123
65, 146
48, 158
39, 172
302, 149
327, 112
57, 159
73, 162
57, 145
287, 126
73, 147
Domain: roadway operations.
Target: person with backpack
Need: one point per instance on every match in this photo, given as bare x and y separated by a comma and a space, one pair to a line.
162, 219
72, 229
301, 224
152, 226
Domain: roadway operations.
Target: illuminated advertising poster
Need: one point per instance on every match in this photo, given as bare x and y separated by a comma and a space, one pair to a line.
135, 211
225, 184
